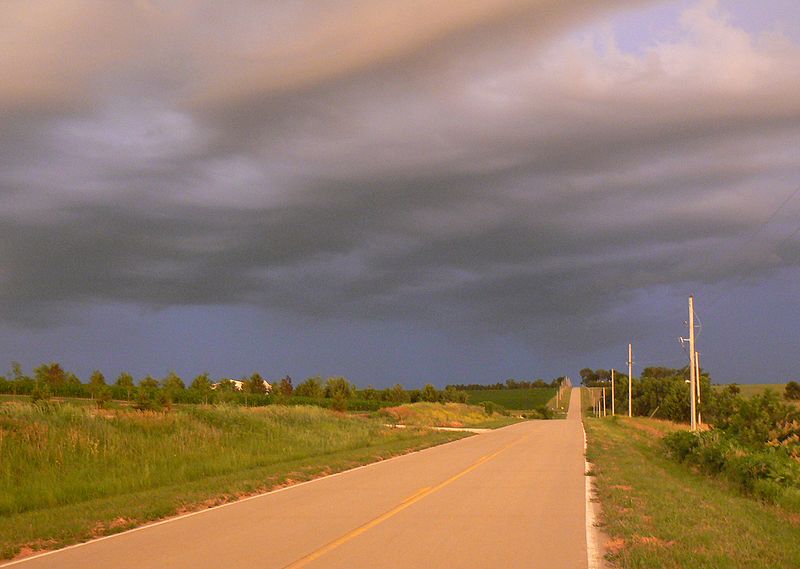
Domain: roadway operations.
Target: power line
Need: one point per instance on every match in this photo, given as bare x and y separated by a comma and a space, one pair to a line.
752, 238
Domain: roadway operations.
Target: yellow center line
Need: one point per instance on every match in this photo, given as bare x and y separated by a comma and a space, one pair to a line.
413, 499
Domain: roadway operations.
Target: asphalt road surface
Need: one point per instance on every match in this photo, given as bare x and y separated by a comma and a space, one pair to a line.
505, 499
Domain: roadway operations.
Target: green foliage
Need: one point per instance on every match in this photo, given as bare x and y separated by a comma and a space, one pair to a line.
311, 387
760, 471
753, 420
40, 392
339, 388
792, 390
543, 412
102, 396
124, 383
284, 387
255, 384
429, 393
397, 394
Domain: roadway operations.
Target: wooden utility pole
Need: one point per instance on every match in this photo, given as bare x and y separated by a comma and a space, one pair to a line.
604, 402
630, 380
697, 378
612, 393
692, 370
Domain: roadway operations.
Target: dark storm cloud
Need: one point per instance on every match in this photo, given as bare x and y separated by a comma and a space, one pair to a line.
480, 167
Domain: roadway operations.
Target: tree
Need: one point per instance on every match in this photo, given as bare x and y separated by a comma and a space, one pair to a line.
148, 383
587, 376
125, 381
102, 395
370, 393
430, 394
202, 384
397, 394
792, 390
173, 382
52, 375
149, 397
339, 387
96, 382
311, 387
19, 381
255, 384
285, 386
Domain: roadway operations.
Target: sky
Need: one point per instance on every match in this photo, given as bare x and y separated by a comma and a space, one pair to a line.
465, 191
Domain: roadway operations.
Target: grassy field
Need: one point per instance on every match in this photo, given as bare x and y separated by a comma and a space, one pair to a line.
445, 415
517, 399
659, 513
69, 473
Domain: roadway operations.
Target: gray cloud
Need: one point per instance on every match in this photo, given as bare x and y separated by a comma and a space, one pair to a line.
478, 167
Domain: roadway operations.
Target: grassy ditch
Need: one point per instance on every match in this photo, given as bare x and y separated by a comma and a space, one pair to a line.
69, 473
662, 513
445, 415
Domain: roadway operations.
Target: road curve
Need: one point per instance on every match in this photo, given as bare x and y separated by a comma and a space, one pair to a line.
510, 498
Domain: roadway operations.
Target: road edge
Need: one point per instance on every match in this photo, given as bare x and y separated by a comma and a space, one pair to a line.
595, 555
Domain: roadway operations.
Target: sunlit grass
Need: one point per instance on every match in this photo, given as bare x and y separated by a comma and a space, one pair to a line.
66, 469
659, 513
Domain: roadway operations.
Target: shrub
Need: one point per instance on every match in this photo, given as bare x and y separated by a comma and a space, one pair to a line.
792, 390
681, 444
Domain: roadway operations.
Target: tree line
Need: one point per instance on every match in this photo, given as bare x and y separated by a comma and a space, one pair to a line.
509, 384
52, 380
663, 392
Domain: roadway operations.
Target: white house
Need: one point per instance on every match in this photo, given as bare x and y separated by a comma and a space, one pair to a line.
238, 384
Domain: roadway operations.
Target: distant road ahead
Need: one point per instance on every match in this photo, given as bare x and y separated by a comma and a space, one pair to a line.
506, 499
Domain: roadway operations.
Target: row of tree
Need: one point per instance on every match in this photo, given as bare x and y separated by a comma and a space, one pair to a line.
509, 384
150, 393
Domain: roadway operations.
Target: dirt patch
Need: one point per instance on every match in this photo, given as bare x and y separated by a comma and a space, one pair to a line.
34, 548
793, 519
652, 540
621, 487
614, 546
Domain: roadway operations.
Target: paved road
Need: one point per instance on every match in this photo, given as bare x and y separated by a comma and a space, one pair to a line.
505, 499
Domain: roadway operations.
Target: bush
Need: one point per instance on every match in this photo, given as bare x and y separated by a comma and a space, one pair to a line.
792, 390
681, 444
490, 408
762, 472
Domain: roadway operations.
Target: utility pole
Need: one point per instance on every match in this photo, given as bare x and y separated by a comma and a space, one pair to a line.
697, 377
692, 370
630, 380
604, 402
612, 392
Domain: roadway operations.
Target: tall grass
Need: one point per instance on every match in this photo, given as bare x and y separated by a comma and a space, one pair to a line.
442, 415
53, 455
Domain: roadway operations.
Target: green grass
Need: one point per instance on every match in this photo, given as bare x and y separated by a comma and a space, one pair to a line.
70, 473
659, 513
517, 399
444, 415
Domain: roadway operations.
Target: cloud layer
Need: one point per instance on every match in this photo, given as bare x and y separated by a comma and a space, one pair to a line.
500, 164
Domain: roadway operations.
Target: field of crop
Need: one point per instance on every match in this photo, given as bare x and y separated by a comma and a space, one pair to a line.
660, 513
518, 399
68, 473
